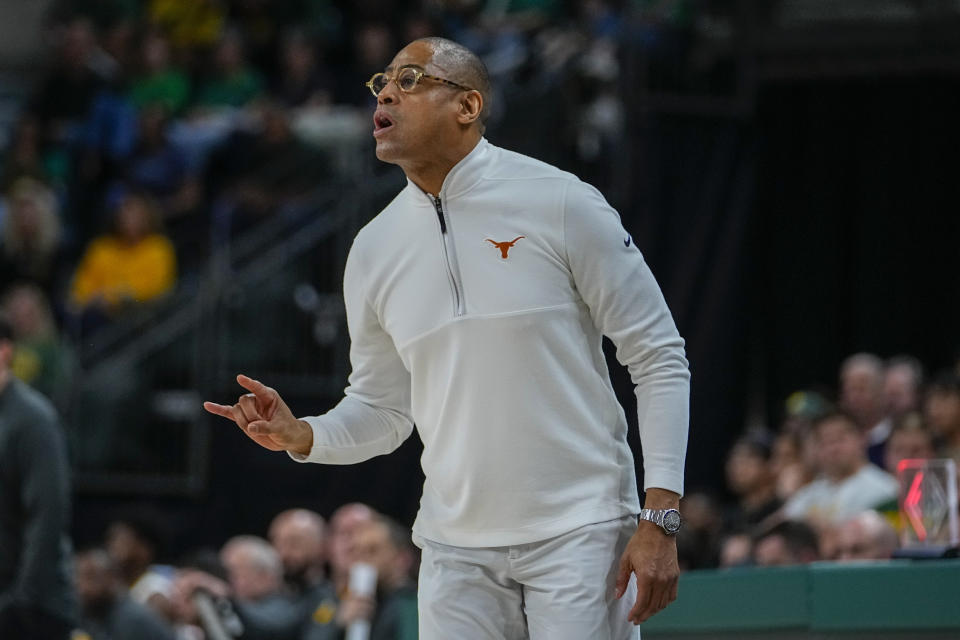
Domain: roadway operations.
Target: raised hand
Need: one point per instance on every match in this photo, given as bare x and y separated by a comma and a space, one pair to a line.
265, 418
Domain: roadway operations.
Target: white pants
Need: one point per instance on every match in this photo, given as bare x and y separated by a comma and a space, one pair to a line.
557, 589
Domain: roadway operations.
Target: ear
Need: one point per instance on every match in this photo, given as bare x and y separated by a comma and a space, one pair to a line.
471, 106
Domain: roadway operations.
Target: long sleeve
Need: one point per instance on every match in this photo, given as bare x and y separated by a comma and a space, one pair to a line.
374, 416
45, 496
627, 306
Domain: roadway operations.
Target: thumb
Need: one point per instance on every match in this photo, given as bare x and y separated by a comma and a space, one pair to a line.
623, 576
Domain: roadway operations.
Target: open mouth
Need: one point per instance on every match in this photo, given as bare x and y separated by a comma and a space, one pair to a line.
381, 123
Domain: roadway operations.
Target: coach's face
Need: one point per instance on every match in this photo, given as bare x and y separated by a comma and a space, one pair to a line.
411, 126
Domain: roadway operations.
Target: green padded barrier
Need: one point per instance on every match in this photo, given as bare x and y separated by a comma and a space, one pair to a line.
894, 595
736, 600
896, 599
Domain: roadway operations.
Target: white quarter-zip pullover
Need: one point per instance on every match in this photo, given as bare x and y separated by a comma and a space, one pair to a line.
478, 316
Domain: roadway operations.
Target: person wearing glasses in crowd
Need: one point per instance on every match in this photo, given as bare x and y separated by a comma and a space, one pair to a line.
476, 303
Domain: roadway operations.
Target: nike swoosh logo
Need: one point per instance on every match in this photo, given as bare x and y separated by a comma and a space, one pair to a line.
627, 241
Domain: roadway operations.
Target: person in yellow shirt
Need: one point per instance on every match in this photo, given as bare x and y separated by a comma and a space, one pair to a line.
134, 264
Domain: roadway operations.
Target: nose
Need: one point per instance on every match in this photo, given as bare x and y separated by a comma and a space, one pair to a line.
388, 95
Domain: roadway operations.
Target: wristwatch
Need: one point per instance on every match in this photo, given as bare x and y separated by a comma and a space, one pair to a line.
667, 519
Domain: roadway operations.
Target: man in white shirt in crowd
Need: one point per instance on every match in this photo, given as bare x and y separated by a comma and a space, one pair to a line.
476, 303
848, 482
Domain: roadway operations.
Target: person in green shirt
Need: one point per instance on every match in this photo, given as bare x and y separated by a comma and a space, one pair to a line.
159, 82
234, 83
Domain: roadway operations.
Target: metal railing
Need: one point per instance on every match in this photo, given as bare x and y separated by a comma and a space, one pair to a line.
268, 303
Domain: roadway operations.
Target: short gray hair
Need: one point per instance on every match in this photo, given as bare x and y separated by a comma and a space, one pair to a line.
257, 551
465, 66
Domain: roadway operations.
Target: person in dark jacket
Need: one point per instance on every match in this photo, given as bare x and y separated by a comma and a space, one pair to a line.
36, 597
108, 611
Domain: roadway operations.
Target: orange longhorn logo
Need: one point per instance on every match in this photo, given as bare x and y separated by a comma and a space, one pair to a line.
504, 246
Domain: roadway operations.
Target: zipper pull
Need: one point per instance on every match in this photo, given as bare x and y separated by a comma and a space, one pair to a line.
439, 207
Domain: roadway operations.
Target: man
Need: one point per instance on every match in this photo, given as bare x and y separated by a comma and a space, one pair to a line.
910, 439
750, 478
299, 536
848, 483
345, 522
865, 536
902, 382
862, 397
476, 302
134, 540
107, 610
941, 408
36, 595
253, 568
384, 545
786, 544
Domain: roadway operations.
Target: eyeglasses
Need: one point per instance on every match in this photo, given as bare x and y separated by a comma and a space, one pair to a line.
407, 78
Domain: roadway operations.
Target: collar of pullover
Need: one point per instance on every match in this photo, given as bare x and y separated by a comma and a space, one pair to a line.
462, 177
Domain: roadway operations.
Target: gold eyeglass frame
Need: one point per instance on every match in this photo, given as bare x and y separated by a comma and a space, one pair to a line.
420, 74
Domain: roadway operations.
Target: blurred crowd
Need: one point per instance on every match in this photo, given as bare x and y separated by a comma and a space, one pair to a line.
159, 130
824, 486
304, 579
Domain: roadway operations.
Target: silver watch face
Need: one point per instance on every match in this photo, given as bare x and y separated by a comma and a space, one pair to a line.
671, 521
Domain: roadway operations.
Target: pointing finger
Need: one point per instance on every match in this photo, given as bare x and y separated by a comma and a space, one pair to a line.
219, 409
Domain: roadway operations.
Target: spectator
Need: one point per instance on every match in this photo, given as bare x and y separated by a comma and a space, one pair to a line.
257, 176
36, 597
344, 524
31, 249
303, 80
158, 166
942, 411
132, 265
802, 409
902, 382
861, 396
159, 82
751, 480
24, 158
848, 482
190, 24
385, 545
107, 611
793, 461
910, 438
299, 536
65, 94
697, 541
255, 575
785, 544
254, 569
40, 357
736, 550
372, 51
233, 83
134, 542
202, 566
865, 536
